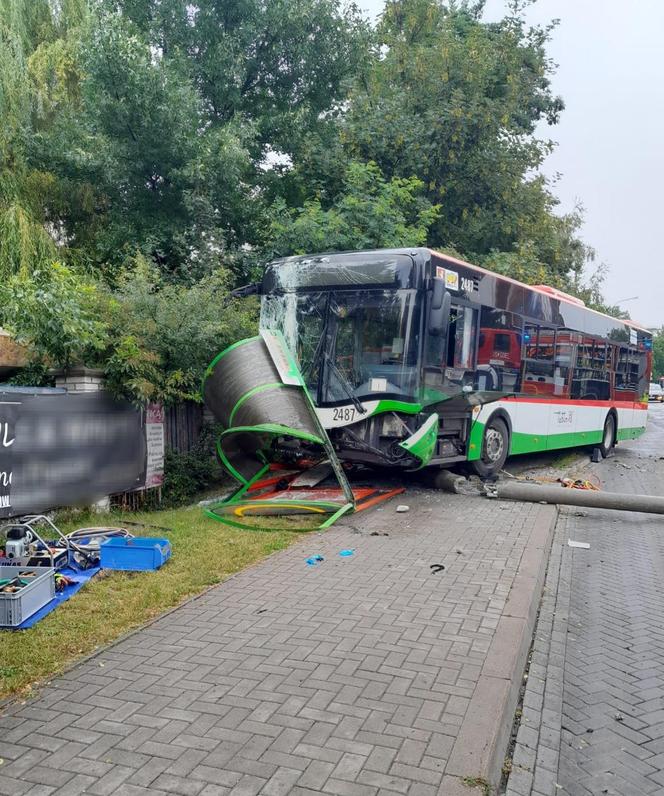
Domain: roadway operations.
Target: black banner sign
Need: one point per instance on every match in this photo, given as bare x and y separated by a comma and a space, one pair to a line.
63, 449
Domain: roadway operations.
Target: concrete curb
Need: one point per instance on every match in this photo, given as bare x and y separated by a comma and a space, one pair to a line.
483, 738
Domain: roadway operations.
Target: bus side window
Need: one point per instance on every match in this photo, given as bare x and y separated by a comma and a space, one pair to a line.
499, 352
562, 362
539, 354
591, 379
627, 373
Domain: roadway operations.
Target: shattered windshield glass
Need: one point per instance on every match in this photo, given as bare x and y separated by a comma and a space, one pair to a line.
350, 344
317, 271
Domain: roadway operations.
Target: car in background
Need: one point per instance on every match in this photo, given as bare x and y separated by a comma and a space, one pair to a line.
655, 393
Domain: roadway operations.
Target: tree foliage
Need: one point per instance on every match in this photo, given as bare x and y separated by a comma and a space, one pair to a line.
658, 354
455, 101
154, 152
54, 312
177, 106
163, 334
369, 213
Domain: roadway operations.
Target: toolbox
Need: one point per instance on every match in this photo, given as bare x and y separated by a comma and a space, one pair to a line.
38, 589
135, 554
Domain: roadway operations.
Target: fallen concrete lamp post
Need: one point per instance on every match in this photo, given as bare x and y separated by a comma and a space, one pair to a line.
534, 493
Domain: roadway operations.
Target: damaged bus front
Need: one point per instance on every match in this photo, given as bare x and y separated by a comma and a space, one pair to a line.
387, 360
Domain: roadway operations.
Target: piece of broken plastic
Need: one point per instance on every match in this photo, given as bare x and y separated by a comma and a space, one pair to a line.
346, 552
582, 545
313, 560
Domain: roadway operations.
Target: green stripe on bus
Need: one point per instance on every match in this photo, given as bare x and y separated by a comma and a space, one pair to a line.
630, 433
536, 443
531, 443
397, 406
475, 441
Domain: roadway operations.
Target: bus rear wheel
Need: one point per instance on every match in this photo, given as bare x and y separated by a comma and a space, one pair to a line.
608, 436
495, 449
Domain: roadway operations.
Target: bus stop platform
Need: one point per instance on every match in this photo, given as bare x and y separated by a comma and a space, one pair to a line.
394, 669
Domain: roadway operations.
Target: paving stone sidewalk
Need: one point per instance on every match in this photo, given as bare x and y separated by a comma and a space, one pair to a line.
593, 716
352, 677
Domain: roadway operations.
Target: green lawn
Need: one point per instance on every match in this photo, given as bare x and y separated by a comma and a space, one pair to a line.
205, 552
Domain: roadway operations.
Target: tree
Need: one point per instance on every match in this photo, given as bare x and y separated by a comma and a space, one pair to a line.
54, 313
154, 152
369, 213
24, 241
172, 110
163, 335
658, 354
454, 101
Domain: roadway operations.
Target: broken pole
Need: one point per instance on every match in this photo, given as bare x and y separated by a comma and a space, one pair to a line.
561, 496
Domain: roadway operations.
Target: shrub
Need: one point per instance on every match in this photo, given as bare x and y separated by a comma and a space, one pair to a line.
188, 473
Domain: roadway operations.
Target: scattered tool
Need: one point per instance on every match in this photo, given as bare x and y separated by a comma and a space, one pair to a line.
35, 540
12, 585
62, 581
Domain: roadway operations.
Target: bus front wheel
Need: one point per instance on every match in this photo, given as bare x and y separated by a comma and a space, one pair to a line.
495, 448
608, 436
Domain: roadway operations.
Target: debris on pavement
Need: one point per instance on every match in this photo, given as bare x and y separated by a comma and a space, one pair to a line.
581, 545
579, 483
313, 560
436, 568
346, 553
402, 508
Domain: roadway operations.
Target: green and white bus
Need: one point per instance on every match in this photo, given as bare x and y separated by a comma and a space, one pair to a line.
413, 358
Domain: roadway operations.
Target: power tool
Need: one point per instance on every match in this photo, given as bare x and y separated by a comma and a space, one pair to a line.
18, 542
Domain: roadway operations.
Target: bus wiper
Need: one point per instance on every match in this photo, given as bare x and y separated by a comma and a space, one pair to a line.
346, 385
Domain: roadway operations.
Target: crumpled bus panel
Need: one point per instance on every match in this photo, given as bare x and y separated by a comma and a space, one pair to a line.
244, 391
256, 392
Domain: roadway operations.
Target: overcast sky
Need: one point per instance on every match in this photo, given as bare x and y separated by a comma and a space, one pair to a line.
610, 139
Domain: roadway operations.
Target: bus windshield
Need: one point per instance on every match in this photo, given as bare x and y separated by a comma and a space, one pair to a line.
350, 344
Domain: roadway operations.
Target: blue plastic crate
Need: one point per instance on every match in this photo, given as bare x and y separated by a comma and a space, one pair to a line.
134, 555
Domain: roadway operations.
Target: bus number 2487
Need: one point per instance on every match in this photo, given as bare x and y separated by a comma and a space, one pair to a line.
344, 414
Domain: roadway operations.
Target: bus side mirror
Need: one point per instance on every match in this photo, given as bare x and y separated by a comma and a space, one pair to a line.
254, 289
439, 311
